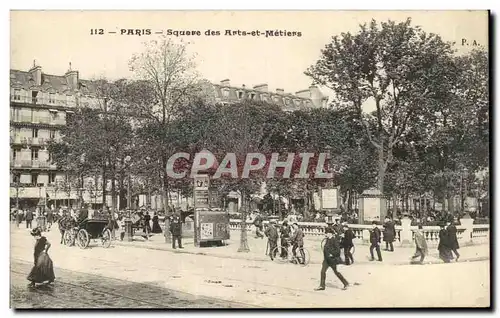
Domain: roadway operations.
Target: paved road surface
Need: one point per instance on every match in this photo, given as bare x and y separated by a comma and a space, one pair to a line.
236, 281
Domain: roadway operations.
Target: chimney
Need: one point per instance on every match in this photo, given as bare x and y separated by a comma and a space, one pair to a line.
243, 86
72, 78
280, 91
261, 87
36, 73
317, 97
224, 82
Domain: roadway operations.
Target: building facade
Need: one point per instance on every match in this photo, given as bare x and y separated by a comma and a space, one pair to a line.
39, 106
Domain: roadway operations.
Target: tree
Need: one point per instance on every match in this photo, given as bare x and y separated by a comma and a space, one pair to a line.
397, 67
167, 85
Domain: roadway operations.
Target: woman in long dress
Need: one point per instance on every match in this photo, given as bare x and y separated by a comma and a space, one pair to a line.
43, 269
444, 245
156, 224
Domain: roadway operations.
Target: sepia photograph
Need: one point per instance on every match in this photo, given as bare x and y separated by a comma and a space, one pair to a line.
249, 159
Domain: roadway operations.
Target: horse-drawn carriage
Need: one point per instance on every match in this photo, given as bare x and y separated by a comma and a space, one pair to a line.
89, 229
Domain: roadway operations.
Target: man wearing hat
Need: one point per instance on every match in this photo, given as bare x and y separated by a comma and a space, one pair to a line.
298, 242
272, 236
452, 233
331, 258
337, 227
375, 241
347, 244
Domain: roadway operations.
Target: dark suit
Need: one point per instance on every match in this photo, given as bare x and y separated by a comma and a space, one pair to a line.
389, 235
375, 243
29, 219
331, 258
176, 230
453, 240
298, 242
272, 235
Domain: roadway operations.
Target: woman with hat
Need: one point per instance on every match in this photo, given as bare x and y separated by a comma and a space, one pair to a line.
43, 270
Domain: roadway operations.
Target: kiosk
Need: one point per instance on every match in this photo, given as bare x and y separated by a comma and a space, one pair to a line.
210, 224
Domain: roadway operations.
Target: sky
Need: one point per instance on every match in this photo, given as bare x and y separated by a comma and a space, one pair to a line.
56, 38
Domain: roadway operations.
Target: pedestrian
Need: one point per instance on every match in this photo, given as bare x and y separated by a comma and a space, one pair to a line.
331, 258
444, 244
298, 242
62, 224
121, 225
375, 241
337, 227
389, 234
147, 225
272, 237
257, 222
19, 217
50, 219
284, 236
176, 230
43, 269
420, 246
347, 244
453, 239
29, 219
156, 224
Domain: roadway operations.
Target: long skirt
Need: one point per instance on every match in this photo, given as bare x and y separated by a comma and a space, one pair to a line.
43, 270
445, 254
156, 228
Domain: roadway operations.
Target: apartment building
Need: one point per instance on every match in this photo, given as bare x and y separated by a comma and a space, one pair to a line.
39, 106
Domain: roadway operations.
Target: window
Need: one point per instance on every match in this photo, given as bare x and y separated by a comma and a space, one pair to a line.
50, 157
225, 93
34, 154
14, 114
264, 98
52, 177
240, 95
69, 100
16, 178
252, 96
52, 134
14, 155
52, 98
34, 95
53, 115
17, 94
34, 178
34, 133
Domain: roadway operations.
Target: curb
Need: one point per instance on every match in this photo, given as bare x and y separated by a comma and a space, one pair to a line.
265, 259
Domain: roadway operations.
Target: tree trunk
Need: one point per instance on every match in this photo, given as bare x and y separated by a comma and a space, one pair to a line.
103, 186
381, 167
243, 236
395, 205
122, 203
113, 193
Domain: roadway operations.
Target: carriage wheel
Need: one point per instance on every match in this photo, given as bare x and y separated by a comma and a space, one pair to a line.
69, 238
303, 262
106, 238
83, 239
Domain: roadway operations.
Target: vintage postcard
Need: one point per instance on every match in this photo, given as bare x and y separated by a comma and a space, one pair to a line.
249, 159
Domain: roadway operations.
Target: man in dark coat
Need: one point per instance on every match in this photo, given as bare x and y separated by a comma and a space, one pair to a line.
284, 235
331, 258
298, 242
452, 238
272, 236
176, 230
375, 241
444, 244
347, 244
337, 227
389, 234
29, 219
257, 222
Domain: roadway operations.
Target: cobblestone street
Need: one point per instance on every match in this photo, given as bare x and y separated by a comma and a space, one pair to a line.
123, 276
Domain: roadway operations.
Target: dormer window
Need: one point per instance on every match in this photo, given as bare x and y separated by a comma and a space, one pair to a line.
17, 94
52, 98
240, 95
225, 92
263, 98
252, 96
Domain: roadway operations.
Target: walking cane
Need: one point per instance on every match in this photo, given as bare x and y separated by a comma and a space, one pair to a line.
267, 247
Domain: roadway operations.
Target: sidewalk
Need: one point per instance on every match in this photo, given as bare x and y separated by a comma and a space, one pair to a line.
400, 256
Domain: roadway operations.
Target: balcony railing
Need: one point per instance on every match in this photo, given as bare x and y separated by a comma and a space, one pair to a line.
57, 101
38, 120
32, 164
